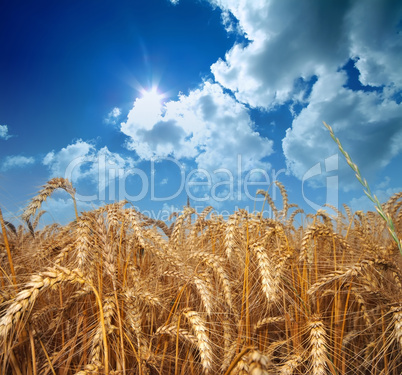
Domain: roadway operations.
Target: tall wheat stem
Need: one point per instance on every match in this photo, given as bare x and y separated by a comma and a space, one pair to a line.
367, 190
10, 259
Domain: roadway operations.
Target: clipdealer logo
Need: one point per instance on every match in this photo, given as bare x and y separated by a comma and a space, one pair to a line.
200, 185
331, 164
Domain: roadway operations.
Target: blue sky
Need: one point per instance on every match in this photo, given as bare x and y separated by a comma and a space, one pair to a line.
153, 101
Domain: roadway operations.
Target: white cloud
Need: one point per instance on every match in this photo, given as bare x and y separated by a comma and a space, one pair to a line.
371, 133
289, 40
60, 209
82, 161
116, 112
363, 203
4, 132
230, 22
94, 173
298, 39
113, 116
294, 41
208, 130
70, 161
375, 38
385, 183
207, 125
294, 55
16, 161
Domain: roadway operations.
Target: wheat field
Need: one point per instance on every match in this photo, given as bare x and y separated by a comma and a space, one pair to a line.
115, 292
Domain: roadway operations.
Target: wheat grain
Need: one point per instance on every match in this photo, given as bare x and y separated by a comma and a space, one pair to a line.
366, 188
172, 331
84, 242
115, 214
270, 201
46, 192
318, 347
198, 224
133, 218
242, 366
293, 215
318, 230
390, 206
229, 343
326, 218
27, 297
285, 200
268, 282
178, 227
216, 263
231, 237
258, 363
195, 276
361, 268
203, 343
290, 365
397, 319
268, 320
229, 353
134, 319
205, 293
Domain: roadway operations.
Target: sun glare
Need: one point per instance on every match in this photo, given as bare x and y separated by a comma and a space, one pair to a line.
152, 96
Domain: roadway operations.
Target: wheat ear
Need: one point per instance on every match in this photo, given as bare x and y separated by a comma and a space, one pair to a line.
203, 342
26, 298
290, 365
318, 353
268, 282
258, 363
46, 192
397, 318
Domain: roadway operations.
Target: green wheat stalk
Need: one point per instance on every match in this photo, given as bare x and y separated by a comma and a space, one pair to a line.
367, 191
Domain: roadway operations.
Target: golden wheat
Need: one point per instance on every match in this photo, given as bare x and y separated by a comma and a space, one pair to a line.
117, 292
46, 192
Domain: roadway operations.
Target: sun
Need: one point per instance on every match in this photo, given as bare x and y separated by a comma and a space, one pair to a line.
152, 96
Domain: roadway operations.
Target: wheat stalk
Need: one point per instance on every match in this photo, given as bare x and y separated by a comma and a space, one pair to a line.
207, 286
10, 259
366, 188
